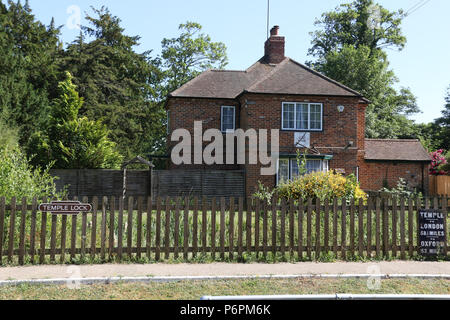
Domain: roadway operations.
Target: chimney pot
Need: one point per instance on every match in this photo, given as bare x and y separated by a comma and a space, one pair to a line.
274, 31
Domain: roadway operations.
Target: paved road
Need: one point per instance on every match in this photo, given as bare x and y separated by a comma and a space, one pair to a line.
221, 269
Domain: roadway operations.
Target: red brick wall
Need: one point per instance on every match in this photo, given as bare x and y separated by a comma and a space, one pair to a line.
374, 175
183, 113
338, 130
265, 113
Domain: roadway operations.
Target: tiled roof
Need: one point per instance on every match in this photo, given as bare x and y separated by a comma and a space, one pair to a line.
396, 150
287, 77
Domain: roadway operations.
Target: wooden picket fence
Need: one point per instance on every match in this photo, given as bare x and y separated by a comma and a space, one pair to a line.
189, 229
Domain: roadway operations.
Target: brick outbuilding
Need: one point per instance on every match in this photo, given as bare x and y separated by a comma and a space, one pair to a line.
313, 113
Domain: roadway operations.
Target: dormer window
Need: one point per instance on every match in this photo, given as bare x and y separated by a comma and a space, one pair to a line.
302, 116
228, 119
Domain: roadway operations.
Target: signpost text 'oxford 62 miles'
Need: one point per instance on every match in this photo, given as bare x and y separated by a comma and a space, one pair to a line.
65, 207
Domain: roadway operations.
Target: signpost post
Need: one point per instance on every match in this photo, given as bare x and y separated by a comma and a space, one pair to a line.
65, 207
432, 236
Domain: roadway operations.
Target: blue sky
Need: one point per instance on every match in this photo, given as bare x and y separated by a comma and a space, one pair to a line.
423, 65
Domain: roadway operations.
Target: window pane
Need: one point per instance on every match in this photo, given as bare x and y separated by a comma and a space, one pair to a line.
302, 116
313, 166
288, 116
227, 118
325, 167
316, 116
283, 170
295, 172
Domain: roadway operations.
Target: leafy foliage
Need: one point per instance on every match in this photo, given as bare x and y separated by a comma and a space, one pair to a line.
264, 194
18, 179
442, 126
359, 23
119, 86
348, 49
446, 166
72, 142
191, 53
28, 66
8, 136
438, 164
322, 185
401, 190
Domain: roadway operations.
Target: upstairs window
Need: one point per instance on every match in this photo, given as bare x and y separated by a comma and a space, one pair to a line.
302, 116
228, 123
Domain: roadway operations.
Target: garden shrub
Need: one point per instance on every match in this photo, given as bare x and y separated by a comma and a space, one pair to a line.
19, 179
438, 164
322, 185
264, 193
445, 167
401, 190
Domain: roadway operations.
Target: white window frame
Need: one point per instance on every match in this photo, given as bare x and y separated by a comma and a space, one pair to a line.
324, 166
278, 168
221, 119
295, 116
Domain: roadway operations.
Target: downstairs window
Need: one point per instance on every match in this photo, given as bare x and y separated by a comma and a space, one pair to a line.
288, 168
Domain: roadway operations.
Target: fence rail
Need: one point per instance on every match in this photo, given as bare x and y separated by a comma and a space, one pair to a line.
219, 229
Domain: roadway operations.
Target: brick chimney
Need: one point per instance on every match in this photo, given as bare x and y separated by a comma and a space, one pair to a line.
274, 47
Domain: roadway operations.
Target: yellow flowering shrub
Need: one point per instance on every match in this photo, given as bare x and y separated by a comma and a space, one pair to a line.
322, 185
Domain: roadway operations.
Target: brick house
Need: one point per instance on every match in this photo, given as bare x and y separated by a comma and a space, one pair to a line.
312, 112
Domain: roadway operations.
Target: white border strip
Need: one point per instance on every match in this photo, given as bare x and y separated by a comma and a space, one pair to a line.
106, 280
370, 297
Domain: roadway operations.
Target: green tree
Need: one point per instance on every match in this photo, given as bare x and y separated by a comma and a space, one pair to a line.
28, 68
119, 85
359, 23
349, 49
442, 125
191, 53
71, 142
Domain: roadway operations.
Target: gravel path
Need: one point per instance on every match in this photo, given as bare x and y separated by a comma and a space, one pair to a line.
221, 269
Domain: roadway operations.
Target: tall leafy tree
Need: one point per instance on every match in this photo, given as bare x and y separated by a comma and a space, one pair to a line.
359, 23
71, 142
28, 69
442, 125
119, 85
189, 54
349, 49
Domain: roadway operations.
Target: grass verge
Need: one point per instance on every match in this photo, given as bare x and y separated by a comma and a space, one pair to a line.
194, 290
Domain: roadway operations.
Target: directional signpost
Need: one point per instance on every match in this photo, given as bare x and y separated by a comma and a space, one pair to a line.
65, 207
431, 232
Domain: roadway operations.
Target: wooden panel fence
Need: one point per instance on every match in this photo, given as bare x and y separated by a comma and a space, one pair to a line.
440, 185
191, 228
172, 183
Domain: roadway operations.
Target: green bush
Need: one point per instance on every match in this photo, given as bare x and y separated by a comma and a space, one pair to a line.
264, 194
19, 179
322, 185
401, 190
